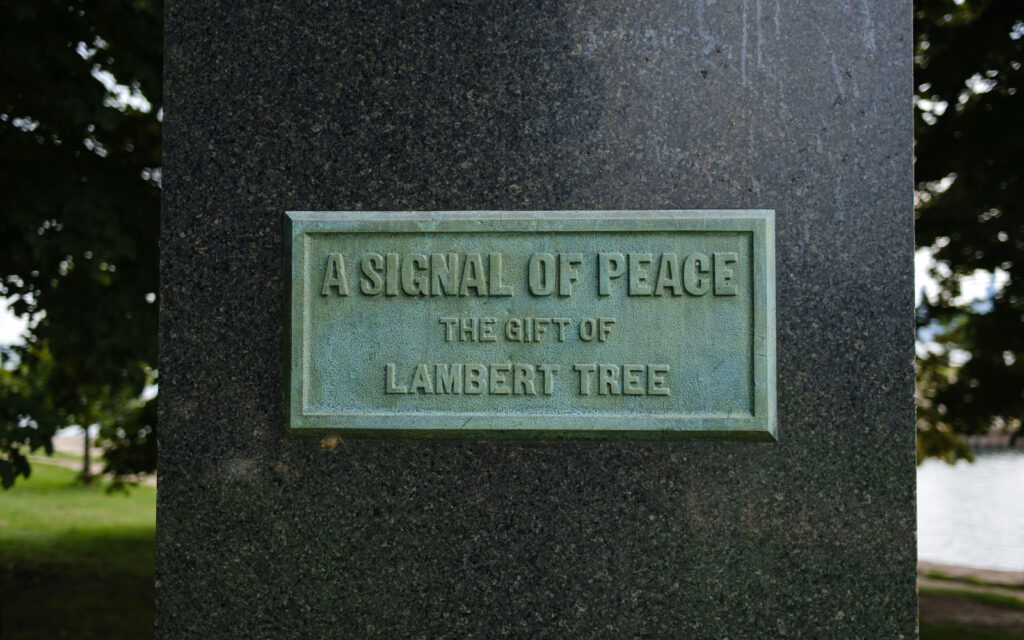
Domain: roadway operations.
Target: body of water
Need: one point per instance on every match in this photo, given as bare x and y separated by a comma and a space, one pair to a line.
972, 514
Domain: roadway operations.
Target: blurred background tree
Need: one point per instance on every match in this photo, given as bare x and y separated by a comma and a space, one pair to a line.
80, 134
969, 149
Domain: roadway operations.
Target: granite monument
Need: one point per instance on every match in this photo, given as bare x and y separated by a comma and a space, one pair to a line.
299, 495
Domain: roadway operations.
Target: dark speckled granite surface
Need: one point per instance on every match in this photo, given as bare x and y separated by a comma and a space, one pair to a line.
799, 106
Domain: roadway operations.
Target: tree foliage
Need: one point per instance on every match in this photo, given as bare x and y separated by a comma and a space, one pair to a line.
80, 100
969, 148
80, 135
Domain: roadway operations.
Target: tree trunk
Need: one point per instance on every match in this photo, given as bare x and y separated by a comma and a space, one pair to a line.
86, 474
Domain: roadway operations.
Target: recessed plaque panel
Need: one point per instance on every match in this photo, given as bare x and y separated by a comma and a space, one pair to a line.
532, 324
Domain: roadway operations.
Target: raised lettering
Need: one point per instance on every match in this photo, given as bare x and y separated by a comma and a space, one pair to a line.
540, 327
608, 380
588, 329
631, 379
541, 270
609, 267
499, 379
448, 378
372, 282
522, 379
567, 274
547, 374
514, 330
487, 330
656, 383
469, 330
391, 275
562, 323
334, 275
696, 266
444, 274
724, 284
473, 276
389, 385
476, 379
669, 275
494, 271
586, 372
415, 279
449, 328
639, 278
421, 380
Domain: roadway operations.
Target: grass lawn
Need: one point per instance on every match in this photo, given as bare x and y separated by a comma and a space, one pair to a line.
994, 599
75, 562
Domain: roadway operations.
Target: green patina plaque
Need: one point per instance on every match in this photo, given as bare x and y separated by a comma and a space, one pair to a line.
531, 324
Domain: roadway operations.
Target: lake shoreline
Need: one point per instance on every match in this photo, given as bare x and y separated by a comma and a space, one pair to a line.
980, 575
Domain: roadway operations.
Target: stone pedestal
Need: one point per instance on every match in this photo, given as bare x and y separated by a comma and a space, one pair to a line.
802, 107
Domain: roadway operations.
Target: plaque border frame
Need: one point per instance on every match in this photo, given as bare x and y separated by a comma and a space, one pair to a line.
762, 426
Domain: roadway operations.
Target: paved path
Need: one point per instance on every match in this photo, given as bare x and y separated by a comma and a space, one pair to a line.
74, 446
96, 468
